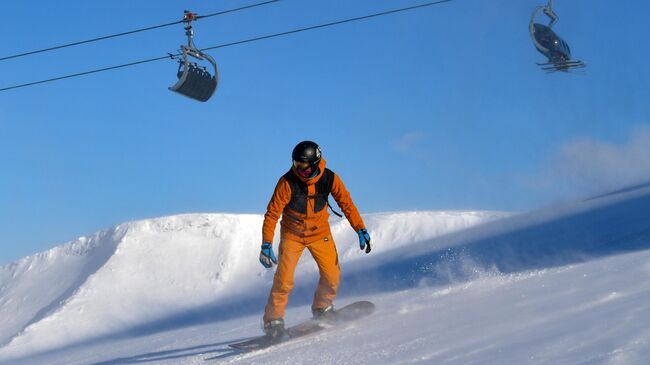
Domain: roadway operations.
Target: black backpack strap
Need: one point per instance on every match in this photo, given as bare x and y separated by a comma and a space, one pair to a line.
328, 179
334, 211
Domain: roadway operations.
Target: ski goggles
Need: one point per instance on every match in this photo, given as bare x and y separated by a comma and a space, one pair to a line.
304, 169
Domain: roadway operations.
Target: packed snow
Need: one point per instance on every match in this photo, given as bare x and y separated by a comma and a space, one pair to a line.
563, 285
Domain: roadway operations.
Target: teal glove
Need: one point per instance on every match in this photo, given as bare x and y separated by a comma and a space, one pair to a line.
267, 256
364, 240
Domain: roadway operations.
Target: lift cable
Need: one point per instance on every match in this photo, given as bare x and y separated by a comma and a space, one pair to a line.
338, 22
134, 31
232, 43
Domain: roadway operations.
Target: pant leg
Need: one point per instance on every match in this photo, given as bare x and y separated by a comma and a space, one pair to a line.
325, 255
288, 256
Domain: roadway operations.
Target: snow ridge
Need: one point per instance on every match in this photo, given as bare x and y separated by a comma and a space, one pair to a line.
55, 275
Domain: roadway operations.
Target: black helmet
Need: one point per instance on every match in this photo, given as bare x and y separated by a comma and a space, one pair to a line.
306, 151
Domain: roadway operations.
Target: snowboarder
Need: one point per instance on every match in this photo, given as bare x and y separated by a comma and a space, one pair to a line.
301, 199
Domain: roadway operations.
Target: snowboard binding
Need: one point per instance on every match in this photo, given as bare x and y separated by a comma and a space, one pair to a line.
324, 315
274, 330
194, 81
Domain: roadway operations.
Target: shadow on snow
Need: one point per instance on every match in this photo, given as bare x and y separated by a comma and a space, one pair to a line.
216, 348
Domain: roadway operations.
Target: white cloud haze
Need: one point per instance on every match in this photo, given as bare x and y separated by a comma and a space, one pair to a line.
589, 165
408, 140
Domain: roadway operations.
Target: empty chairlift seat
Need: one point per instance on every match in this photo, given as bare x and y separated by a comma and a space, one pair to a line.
195, 81
548, 43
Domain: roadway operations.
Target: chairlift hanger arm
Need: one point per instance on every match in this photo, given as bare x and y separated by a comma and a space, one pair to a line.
548, 10
188, 17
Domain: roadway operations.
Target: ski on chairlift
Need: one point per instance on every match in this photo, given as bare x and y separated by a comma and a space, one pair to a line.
194, 81
548, 43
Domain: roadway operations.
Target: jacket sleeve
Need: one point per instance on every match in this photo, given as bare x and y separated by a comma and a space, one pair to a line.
281, 197
343, 199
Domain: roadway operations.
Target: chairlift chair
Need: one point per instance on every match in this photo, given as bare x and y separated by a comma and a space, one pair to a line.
194, 81
548, 43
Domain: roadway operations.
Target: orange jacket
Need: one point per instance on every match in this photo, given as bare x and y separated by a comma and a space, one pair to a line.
312, 223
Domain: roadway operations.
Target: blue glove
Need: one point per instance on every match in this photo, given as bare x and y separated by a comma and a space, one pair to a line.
267, 256
364, 240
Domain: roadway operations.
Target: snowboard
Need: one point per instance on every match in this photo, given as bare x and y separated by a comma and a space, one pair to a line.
346, 314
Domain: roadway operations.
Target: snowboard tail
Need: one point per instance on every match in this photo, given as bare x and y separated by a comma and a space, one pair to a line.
346, 314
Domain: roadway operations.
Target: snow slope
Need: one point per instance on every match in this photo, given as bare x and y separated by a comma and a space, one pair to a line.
167, 272
563, 285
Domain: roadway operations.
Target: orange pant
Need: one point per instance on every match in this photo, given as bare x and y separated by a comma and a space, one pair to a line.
324, 253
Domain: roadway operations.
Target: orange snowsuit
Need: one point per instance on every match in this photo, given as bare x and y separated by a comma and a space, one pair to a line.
302, 203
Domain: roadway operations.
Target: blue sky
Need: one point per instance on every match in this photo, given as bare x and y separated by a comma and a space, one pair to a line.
438, 108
